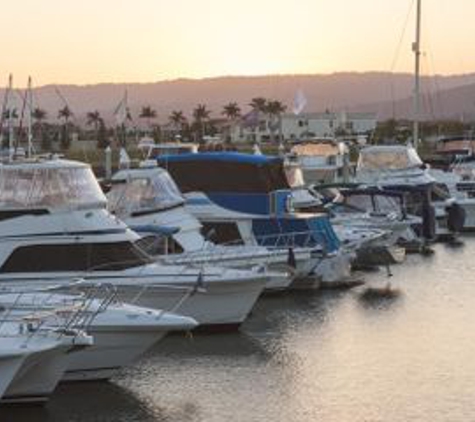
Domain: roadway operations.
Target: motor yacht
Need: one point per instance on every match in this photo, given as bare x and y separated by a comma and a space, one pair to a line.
247, 199
148, 200
37, 356
122, 333
399, 167
55, 226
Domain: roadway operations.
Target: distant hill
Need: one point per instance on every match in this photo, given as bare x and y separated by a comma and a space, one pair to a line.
373, 91
456, 103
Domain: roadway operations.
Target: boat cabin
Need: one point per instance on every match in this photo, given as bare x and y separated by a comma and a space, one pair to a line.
45, 185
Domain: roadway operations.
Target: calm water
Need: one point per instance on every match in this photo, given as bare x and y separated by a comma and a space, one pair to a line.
318, 357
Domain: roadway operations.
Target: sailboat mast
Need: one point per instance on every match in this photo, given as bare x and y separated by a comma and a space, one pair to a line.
29, 97
416, 48
11, 128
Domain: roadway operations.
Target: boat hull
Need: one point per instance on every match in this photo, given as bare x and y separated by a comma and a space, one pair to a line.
38, 376
112, 350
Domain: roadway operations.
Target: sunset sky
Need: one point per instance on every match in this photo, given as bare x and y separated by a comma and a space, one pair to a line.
90, 41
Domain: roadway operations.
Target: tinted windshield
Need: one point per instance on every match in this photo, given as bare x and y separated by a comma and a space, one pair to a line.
66, 187
144, 193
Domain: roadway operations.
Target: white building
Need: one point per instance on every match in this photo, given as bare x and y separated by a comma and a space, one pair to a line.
306, 125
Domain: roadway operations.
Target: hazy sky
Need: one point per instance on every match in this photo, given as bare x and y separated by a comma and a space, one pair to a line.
89, 41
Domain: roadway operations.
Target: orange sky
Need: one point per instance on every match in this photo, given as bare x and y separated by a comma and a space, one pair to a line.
90, 41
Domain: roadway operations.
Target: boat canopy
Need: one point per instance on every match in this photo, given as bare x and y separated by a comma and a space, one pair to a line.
384, 158
323, 149
455, 145
49, 185
226, 172
371, 201
136, 191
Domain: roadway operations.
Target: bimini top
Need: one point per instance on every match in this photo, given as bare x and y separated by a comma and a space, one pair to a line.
388, 157
143, 190
226, 172
48, 184
227, 156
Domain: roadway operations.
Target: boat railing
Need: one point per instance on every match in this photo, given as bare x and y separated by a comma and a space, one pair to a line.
309, 239
68, 315
187, 290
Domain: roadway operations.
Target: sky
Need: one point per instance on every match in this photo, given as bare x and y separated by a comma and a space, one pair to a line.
94, 41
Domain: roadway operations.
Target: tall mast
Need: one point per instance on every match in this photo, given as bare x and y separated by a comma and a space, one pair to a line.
29, 102
11, 128
416, 48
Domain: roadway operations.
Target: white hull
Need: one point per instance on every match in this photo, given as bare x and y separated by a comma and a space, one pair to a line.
9, 366
39, 376
225, 304
220, 301
110, 352
248, 257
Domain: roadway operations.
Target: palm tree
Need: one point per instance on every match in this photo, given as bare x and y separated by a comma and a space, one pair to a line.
94, 119
147, 112
39, 115
201, 114
65, 114
10, 112
275, 109
178, 119
10, 115
259, 104
232, 112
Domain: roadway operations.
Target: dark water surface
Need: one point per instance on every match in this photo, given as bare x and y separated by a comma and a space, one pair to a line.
309, 357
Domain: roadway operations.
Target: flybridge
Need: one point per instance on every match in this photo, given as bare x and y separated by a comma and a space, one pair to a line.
48, 184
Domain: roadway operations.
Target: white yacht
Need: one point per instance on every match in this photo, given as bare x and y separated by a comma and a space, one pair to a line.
54, 226
38, 356
399, 167
122, 333
148, 200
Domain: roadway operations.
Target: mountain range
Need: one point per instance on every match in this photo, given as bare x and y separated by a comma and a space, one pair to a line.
385, 94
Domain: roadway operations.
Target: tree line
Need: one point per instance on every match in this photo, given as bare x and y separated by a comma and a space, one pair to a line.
178, 126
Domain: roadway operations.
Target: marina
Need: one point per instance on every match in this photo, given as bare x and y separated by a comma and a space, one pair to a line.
327, 356
176, 257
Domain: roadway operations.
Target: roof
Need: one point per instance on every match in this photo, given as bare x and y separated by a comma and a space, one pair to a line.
41, 163
225, 157
385, 148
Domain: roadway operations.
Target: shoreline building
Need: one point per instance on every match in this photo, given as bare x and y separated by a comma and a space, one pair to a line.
303, 126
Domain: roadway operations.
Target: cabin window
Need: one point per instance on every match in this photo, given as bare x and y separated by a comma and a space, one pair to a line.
75, 257
159, 245
222, 233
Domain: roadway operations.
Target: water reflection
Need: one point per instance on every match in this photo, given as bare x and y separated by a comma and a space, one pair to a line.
326, 356
92, 402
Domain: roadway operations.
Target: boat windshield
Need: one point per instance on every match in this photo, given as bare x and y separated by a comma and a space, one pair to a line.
388, 159
373, 203
142, 194
49, 188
